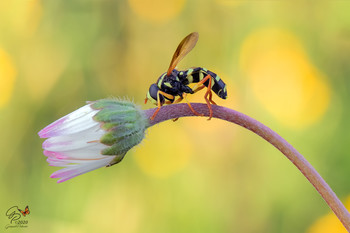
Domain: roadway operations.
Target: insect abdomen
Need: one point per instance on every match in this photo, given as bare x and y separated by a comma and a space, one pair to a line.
197, 74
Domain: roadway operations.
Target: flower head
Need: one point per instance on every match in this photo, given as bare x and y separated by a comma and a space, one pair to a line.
96, 135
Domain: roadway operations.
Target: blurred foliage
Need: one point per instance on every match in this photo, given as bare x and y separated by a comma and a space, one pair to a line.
286, 63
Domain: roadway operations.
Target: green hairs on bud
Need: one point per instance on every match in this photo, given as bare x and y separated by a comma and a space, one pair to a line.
124, 123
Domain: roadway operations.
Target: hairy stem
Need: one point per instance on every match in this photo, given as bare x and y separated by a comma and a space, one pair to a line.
181, 110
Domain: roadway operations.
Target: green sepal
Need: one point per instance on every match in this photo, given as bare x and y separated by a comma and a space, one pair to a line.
116, 160
110, 103
125, 125
117, 115
115, 134
124, 144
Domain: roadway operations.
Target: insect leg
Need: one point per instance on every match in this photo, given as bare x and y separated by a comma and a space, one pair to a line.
175, 102
199, 86
189, 105
159, 104
178, 100
208, 92
166, 95
196, 89
210, 98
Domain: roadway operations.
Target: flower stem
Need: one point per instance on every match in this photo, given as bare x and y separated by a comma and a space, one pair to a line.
181, 110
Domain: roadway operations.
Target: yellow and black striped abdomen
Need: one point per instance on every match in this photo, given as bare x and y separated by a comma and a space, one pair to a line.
197, 74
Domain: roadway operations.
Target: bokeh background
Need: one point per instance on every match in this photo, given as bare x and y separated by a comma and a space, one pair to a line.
285, 63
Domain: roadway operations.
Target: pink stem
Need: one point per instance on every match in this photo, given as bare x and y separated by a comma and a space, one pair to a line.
182, 110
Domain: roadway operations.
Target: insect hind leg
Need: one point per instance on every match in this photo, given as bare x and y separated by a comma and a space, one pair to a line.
199, 86
208, 92
210, 98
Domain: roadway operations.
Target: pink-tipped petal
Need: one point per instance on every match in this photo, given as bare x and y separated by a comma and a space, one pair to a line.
87, 153
53, 154
65, 172
72, 171
51, 129
57, 162
75, 122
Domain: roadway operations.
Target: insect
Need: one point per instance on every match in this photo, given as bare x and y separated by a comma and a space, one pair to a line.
25, 212
175, 83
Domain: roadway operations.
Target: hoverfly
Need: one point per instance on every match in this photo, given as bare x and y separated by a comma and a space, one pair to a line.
175, 83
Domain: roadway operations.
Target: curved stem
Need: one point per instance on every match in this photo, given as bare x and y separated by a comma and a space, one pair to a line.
182, 110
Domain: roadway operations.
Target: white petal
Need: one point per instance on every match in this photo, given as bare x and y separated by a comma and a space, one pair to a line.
88, 153
88, 139
77, 121
77, 169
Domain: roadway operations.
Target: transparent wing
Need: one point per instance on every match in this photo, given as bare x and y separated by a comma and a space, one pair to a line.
185, 46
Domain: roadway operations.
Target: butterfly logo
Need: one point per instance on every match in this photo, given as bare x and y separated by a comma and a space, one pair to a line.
25, 212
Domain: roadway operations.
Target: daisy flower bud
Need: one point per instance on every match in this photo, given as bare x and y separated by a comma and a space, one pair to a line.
96, 135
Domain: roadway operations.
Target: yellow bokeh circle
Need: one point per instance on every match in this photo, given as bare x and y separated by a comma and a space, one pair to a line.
283, 79
24, 16
157, 10
7, 77
329, 223
165, 151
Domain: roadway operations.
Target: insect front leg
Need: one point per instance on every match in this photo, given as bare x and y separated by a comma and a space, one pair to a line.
159, 103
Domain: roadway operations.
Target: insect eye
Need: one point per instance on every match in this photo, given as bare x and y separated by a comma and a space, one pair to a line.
153, 91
